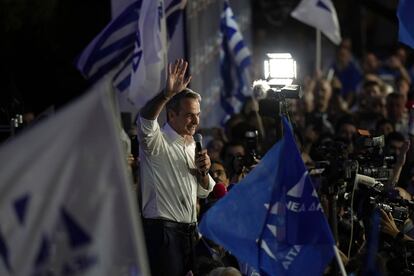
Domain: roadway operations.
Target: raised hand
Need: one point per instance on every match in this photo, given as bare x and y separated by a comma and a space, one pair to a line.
176, 81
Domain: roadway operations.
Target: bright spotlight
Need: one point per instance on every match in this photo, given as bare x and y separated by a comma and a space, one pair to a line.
279, 69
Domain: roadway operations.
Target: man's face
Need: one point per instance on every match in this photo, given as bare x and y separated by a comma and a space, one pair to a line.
219, 174
347, 132
186, 121
396, 108
396, 146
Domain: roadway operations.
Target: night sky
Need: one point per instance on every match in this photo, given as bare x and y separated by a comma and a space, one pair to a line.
40, 41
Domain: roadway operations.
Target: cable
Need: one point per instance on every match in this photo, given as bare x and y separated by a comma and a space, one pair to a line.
352, 211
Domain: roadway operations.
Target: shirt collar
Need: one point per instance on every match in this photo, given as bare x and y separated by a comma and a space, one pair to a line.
175, 137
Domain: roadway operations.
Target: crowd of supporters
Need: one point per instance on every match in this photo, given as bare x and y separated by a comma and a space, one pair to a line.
373, 94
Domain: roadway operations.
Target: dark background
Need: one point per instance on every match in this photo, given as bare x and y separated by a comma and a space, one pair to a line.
41, 39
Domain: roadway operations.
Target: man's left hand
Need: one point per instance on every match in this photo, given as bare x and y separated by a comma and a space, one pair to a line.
202, 162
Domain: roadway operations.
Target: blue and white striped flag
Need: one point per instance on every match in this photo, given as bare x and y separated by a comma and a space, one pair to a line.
133, 49
235, 59
112, 46
173, 12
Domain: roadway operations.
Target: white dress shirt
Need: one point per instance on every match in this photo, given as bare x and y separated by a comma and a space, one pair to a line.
168, 173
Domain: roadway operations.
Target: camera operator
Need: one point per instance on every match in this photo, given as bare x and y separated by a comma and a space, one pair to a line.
389, 227
242, 164
398, 146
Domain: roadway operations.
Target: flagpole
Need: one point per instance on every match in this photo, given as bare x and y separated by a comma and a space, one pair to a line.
340, 263
318, 51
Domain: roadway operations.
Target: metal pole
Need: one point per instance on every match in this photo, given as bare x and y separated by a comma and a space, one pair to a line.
318, 51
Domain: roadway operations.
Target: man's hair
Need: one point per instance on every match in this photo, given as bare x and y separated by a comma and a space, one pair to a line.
394, 136
174, 103
218, 162
394, 96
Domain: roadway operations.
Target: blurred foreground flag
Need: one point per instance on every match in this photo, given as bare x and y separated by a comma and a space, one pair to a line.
273, 219
133, 49
320, 14
65, 204
235, 59
405, 15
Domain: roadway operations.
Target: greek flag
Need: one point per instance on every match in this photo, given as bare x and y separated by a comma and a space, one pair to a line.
273, 220
235, 60
133, 49
406, 22
113, 46
320, 14
67, 206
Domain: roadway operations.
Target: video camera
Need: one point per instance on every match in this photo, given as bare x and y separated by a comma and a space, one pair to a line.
368, 158
252, 153
353, 176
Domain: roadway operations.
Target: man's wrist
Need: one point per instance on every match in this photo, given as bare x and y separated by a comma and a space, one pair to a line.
164, 95
203, 173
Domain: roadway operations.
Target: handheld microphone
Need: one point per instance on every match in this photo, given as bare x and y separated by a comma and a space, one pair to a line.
198, 138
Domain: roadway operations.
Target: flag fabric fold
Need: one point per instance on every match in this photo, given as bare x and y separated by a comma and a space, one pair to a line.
66, 207
133, 49
406, 22
320, 14
113, 46
273, 219
150, 55
235, 59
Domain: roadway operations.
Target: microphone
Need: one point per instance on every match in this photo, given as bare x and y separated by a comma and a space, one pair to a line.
369, 182
198, 139
219, 190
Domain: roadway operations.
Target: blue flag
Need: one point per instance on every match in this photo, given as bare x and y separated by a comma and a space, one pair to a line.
132, 48
235, 58
273, 219
371, 268
406, 22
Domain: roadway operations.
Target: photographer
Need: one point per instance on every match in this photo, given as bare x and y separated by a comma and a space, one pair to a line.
389, 227
242, 161
398, 146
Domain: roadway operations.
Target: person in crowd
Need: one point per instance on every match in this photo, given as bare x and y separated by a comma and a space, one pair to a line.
234, 120
348, 72
370, 107
214, 148
389, 227
231, 152
318, 115
384, 127
346, 131
371, 64
396, 112
173, 174
394, 68
402, 86
219, 174
225, 271
398, 146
